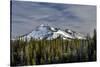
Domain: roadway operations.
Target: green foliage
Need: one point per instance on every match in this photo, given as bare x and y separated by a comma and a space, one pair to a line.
35, 52
33, 62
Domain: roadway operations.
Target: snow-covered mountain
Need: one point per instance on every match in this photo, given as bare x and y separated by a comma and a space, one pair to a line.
47, 32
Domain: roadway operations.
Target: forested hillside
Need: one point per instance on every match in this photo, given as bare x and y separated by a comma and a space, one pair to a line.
38, 52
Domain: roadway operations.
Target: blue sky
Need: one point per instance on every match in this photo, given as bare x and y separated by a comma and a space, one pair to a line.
26, 16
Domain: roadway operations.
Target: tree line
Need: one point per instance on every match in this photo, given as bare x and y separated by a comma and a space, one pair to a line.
38, 52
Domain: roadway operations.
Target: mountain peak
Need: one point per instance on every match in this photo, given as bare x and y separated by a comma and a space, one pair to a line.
42, 25
47, 32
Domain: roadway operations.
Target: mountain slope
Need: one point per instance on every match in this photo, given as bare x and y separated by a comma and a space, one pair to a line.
47, 32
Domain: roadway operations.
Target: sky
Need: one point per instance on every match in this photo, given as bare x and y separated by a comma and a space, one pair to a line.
27, 15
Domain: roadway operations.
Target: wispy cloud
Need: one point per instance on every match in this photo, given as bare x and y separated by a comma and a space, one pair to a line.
28, 15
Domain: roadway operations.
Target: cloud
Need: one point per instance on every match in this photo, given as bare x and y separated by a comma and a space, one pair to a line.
28, 15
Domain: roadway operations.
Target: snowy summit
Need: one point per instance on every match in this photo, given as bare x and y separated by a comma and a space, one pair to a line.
47, 32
